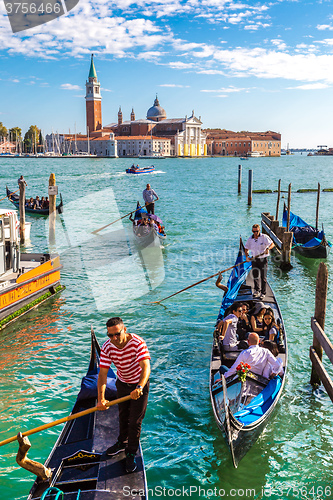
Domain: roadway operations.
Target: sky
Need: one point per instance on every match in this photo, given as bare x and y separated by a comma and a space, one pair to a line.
252, 66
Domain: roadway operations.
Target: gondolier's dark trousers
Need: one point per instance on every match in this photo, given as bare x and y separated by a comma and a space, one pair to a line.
150, 208
259, 270
131, 414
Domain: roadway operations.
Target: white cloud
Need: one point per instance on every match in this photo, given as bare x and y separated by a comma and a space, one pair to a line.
227, 90
69, 86
174, 85
180, 65
311, 86
280, 44
103, 90
323, 27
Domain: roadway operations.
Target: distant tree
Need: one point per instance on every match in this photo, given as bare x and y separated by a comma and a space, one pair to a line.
40, 142
3, 130
15, 133
31, 138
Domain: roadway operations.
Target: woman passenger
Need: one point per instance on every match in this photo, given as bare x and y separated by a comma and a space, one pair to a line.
257, 319
271, 329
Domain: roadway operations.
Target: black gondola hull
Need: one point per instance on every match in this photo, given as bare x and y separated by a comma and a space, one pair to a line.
78, 458
14, 198
239, 437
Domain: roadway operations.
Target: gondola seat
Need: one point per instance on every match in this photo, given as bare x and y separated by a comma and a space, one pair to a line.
260, 404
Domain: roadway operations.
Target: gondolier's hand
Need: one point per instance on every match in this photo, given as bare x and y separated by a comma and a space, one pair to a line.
137, 393
101, 405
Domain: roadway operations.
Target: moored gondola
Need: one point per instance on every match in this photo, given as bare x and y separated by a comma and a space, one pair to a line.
80, 468
14, 198
242, 409
307, 240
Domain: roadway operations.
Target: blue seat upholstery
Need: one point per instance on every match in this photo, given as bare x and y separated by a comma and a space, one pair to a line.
260, 404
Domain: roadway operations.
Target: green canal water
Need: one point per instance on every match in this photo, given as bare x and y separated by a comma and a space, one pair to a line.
44, 354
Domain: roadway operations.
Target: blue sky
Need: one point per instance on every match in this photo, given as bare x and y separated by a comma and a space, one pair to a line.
240, 65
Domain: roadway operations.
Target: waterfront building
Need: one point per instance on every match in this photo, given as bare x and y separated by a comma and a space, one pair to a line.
229, 143
7, 147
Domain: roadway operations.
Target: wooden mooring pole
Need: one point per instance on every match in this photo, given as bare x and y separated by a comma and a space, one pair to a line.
288, 212
317, 208
320, 312
239, 179
52, 209
22, 211
249, 195
278, 201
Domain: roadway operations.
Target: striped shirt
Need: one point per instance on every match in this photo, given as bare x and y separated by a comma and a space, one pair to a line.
127, 359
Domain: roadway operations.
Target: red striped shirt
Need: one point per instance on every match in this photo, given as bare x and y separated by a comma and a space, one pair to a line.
127, 359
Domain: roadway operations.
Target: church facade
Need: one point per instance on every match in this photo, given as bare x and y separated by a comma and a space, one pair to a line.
154, 136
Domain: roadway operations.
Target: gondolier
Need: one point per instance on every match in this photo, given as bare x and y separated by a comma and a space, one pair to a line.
148, 196
259, 245
130, 355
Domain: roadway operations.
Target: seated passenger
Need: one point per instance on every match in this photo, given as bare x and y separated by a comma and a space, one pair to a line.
244, 324
257, 318
37, 203
31, 203
268, 370
257, 357
153, 225
229, 328
271, 329
42, 202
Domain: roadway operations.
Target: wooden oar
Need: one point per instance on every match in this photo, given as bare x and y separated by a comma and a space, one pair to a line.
209, 277
9, 195
197, 283
123, 217
65, 419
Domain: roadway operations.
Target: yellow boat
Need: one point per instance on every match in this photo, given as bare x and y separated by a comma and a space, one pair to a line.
26, 279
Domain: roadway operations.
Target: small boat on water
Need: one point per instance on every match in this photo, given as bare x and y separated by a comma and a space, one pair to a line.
148, 229
307, 240
80, 468
14, 198
26, 279
243, 409
137, 170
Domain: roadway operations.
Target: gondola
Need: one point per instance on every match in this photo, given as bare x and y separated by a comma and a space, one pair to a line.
307, 240
137, 170
14, 198
242, 410
80, 468
146, 235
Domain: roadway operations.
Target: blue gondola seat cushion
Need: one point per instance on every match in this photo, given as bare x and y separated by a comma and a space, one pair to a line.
89, 388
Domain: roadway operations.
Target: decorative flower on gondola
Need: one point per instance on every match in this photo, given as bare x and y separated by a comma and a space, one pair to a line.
242, 370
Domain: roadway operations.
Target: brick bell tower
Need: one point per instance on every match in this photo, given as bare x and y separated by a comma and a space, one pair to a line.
93, 100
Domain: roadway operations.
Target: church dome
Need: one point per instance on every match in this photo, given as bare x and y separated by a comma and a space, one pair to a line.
156, 112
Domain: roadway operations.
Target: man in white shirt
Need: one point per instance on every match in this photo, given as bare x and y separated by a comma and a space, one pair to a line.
259, 245
257, 357
148, 195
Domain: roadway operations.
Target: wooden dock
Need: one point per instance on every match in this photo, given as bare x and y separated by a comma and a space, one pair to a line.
321, 342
